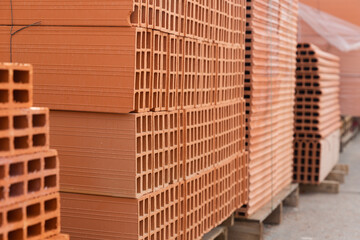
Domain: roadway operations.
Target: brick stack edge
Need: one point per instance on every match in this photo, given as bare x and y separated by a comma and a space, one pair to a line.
29, 170
317, 114
148, 112
271, 33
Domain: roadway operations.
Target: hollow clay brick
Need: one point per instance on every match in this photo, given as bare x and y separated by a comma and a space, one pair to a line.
184, 210
221, 21
317, 107
270, 63
158, 148
154, 216
83, 13
109, 69
28, 176
38, 218
24, 131
317, 114
113, 150
16, 81
315, 158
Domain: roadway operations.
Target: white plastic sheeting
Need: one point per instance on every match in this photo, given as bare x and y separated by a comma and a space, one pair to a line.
341, 34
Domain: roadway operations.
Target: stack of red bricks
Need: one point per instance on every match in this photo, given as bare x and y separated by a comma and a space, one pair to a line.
269, 92
29, 170
174, 167
317, 114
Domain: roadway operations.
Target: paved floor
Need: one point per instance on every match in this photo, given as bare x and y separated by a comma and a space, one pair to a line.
326, 216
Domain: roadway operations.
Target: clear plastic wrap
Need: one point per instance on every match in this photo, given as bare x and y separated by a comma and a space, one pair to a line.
339, 33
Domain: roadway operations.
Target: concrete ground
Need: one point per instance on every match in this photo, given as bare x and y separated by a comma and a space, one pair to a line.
326, 216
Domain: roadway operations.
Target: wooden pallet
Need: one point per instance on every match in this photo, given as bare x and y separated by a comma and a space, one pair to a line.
252, 227
332, 182
220, 232
348, 133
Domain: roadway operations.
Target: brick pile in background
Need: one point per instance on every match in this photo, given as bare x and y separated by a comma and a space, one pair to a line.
317, 114
29, 170
176, 165
269, 92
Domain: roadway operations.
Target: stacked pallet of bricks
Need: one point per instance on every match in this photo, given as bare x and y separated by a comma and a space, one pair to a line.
148, 112
269, 92
317, 114
29, 170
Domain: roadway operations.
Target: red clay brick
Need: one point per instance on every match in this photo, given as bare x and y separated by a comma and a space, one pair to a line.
38, 218
24, 131
16, 81
269, 93
28, 176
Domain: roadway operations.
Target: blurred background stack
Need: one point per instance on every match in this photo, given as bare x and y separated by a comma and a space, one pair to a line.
317, 114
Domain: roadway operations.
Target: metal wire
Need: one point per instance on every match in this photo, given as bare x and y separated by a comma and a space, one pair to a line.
12, 28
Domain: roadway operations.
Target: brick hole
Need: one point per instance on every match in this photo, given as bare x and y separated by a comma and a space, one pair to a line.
138, 144
141, 101
4, 123
34, 230
16, 189
39, 140
34, 185
2, 172
144, 184
34, 166
143, 15
33, 210
157, 18
2, 196
21, 96
134, 16
141, 228
21, 76
138, 125
150, 13
21, 142
16, 169
51, 224
51, 205
4, 96
147, 101
20, 122
1, 220
39, 120
149, 181
17, 234
50, 162
138, 184
137, 104
4, 76
138, 165
15, 215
